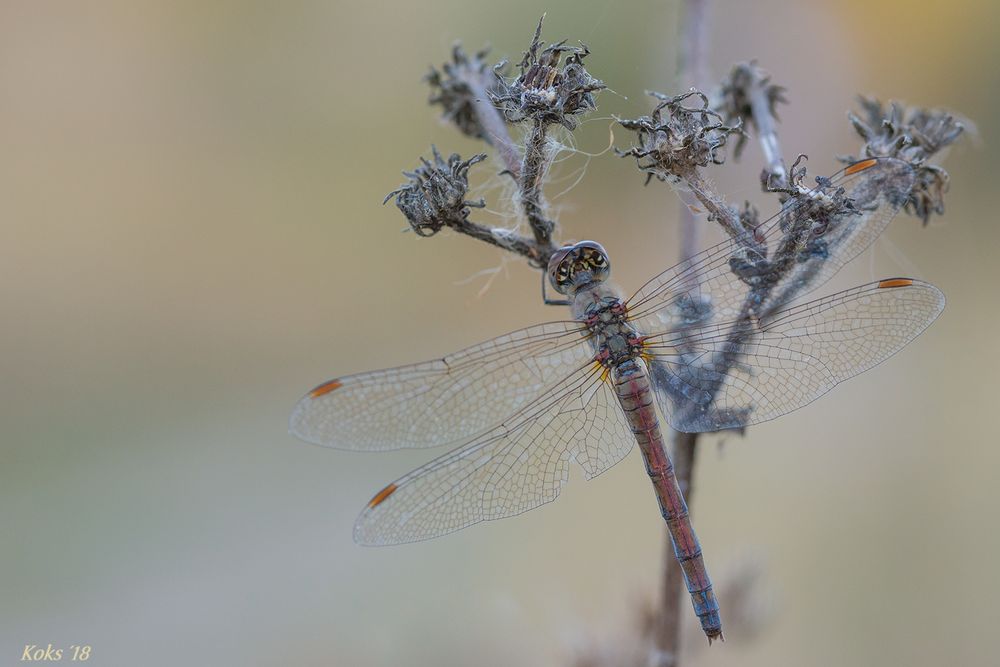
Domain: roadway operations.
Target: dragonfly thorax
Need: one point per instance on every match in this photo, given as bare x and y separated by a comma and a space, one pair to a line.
615, 340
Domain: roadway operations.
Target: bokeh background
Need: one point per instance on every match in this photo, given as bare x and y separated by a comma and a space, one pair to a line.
191, 236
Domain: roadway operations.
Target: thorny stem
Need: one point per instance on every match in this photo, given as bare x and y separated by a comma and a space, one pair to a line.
693, 70
532, 171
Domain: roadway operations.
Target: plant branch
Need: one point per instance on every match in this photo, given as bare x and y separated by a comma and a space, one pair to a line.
913, 135
495, 128
748, 96
693, 72
552, 87
532, 170
435, 198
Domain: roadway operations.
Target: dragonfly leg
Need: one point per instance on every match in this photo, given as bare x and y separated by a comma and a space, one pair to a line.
552, 302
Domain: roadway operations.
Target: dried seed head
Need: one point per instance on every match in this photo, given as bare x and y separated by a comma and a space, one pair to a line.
435, 194
548, 89
459, 85
928, 191
819, 204
674, 139
746, 84
912, 135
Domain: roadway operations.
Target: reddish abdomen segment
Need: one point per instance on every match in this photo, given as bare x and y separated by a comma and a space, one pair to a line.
636, 398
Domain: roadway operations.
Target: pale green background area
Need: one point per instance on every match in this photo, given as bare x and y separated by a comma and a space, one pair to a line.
191, 236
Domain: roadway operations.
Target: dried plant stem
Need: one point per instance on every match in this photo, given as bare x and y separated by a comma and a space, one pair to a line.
718, 211
693, 71
552, 87
767, 133
693, 59
508, 241
495, 128
533, 167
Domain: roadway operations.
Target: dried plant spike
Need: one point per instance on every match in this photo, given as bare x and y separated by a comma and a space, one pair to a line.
464, 88
675, 141
748, 96
434, 198
458, 85
552, 85
913, 135
435, 194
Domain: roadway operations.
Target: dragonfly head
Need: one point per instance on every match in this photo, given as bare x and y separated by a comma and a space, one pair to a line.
574, 266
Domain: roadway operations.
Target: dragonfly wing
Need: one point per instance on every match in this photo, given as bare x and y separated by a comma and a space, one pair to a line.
705, 289
444, 401
878, 193
742, 373
519, 465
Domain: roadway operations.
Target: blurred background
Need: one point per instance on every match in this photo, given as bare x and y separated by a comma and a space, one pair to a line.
191, 237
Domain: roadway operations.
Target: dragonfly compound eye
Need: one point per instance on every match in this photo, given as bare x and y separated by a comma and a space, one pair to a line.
593, 258
560, 270
573, 266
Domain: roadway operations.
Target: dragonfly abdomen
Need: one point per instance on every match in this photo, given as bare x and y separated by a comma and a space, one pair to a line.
635, 394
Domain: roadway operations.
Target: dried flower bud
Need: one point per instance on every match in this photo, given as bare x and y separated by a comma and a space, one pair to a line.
547, 90
459, 85
435, 195
819, 204
740, 98
927, 195
673, 144
912, 135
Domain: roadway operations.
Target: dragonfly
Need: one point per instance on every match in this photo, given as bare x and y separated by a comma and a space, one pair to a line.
716, 342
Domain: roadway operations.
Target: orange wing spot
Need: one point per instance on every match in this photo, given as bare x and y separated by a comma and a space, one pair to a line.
859, 166
895, 282
381, 496
325, 388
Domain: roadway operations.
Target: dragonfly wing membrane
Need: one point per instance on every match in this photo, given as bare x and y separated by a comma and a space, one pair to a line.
444, 401
743, 373
705, 289
519, 465
877, 193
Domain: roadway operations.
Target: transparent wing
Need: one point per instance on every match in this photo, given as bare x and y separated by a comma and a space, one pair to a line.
705, 289
514, 467
443, 401
742, 373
